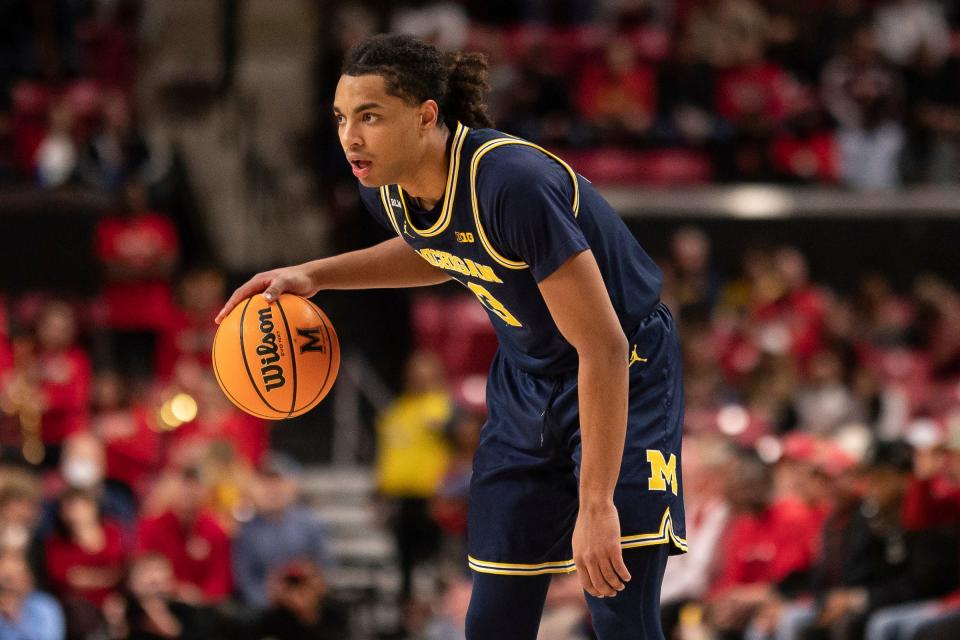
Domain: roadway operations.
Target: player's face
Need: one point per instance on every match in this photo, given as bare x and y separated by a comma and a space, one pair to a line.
378, 131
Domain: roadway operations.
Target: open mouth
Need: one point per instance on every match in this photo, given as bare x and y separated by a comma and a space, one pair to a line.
361, 168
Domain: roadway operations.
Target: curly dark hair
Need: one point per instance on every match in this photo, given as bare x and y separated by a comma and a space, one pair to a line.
416, 71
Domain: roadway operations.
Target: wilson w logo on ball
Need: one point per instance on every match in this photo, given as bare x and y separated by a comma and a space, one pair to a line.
272, 373
276, 360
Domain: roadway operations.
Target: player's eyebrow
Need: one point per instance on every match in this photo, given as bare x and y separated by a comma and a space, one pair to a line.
362, 107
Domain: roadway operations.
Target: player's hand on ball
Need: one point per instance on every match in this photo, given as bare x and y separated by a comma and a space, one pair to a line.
597, 553
295, 280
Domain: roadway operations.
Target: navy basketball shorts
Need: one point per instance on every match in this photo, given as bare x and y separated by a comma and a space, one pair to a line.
523, 493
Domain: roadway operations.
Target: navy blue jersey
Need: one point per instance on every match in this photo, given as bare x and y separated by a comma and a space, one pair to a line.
513, 213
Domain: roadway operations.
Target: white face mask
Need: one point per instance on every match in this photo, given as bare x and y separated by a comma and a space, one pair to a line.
81, 473
14, 536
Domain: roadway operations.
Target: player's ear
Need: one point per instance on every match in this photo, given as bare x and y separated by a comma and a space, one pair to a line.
429, 113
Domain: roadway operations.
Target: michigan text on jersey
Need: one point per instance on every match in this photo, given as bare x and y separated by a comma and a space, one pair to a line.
464, 266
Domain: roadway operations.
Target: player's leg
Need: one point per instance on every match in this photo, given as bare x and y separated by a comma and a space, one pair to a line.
506, 607
523, 504
634, 613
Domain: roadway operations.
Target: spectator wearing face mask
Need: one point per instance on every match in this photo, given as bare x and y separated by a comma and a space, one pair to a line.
25, 613
83, 467
148, 609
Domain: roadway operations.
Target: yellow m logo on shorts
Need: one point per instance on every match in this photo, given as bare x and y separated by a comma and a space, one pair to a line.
661, 471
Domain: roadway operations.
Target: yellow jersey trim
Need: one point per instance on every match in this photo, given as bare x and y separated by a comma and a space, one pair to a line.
475, 162
449, 193
385, 200
664, 535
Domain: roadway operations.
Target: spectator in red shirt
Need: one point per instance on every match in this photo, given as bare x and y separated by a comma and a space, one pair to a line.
789, 311
189, 334
128, 431
138, 251
618, 94
64, 376
192, 540
767, 543
85, 560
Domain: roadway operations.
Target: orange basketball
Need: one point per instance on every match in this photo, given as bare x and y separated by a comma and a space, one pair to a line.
276, 360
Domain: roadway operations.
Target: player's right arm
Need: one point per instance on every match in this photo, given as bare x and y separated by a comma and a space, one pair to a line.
390, 264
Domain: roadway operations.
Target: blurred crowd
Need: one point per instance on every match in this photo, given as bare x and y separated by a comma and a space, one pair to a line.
861, 93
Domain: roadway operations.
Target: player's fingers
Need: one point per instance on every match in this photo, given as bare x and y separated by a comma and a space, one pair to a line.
586, 581
620, 566
598, 583
273, 292
610, 576
252, 286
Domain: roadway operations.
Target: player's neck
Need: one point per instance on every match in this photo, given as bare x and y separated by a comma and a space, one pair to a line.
429, 180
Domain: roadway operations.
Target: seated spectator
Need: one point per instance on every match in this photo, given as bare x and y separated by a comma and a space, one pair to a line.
138, 252
824, 403
881, 563
685, 92
863, 94
617, 94
132, 444
537, 104
767, 543
65, 374
117, 152
85, 560
805, 151
300, 608
189, 333
449, 507
191, 539
907, 27
787, 613
932, 502
450, 618
282, 530
687, 577
20, 500
83, 467
148, 609
25, 613
696, 282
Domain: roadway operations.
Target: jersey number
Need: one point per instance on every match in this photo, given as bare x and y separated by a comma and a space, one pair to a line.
494, 305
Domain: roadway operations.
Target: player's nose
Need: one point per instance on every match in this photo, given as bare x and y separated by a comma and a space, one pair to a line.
349, 136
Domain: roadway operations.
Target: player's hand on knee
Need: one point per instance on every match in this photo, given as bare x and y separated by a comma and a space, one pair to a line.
597, 552
295, 280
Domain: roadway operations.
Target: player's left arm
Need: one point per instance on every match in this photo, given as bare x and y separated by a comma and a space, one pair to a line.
580, 305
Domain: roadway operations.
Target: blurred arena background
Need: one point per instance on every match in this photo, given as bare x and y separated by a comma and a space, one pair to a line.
793, 167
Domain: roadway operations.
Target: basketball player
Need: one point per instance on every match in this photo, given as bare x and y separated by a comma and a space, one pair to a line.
578, 467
